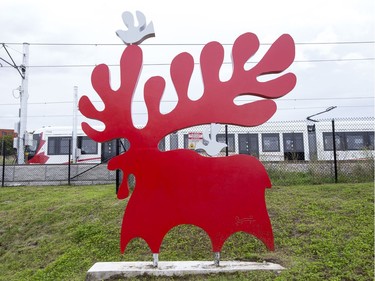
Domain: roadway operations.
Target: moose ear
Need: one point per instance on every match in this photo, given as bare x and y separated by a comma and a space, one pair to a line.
123, 191
114, 164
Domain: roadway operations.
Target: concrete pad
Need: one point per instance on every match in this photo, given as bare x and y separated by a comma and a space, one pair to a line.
107, 270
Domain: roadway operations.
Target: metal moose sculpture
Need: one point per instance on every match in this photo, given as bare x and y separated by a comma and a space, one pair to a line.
221, 195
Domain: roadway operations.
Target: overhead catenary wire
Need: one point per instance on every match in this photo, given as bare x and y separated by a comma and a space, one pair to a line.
184, 44
175, 101
145, 113
197, 44
188, 44
196, 63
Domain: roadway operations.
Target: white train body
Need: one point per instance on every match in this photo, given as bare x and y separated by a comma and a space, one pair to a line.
51, 146
354, 140
272, 141
284, 141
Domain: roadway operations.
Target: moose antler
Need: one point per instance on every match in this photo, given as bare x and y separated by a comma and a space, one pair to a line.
219, 96
117, 103
215, 106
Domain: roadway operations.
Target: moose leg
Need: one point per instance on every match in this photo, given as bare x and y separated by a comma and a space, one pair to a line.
217, 259
155, 258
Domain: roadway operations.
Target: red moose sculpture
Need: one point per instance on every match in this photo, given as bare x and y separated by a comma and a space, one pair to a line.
221, 195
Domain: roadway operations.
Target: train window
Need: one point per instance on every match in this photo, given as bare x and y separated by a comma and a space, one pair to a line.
328, 144
173, 140
51, 146
58, 145
293, 142
355, 141
87, 145
161, 145
36, 142
186, 141
270, 142
125, 144
359, 140
293, 146
371, 140
349, 141
221, 138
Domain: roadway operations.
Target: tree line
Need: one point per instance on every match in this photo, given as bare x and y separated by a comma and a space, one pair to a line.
7, 142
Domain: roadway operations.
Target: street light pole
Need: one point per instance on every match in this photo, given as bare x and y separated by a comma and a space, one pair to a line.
333, 136
327, 109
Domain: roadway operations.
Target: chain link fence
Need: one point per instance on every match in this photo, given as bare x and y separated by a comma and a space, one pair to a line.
298, 152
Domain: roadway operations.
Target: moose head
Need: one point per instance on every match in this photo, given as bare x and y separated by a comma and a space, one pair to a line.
221, 195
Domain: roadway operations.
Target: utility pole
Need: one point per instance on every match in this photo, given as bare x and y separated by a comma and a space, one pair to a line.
24, 96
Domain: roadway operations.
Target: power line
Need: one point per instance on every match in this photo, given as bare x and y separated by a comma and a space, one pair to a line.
196, 63
183, 44
145, 113
13, 64
317, 107
175, 101
326, 98
17, 51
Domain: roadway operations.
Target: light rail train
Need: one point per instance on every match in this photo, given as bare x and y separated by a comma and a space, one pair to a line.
272, 141
54, 145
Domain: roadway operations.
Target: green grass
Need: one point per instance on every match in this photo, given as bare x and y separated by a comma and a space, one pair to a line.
362, 171
322, 232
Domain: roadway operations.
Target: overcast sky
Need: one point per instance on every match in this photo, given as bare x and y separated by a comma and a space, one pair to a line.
334, 51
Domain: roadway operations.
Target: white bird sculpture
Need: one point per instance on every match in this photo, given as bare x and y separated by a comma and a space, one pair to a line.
135, 34
212, 147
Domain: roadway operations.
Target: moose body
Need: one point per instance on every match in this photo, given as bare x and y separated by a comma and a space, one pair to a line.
221, 195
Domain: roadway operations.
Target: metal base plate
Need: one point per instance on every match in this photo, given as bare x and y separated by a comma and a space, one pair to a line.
107, 270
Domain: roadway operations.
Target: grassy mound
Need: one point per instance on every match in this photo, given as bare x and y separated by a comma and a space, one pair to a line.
322, 232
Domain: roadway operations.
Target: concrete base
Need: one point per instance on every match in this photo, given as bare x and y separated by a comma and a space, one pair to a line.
107, 270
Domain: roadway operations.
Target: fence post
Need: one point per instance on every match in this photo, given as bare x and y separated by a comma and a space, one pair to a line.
334, 149
117, 171
226, 140
69, 153
3, 170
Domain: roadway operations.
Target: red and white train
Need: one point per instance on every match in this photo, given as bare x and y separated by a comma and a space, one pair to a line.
272, 141
51, 146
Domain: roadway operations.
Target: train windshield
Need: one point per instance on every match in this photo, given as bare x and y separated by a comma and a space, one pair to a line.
31, 149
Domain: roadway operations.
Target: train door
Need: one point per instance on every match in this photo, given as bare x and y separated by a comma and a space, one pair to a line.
293, 146
311, 136
248, 144
108, 150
